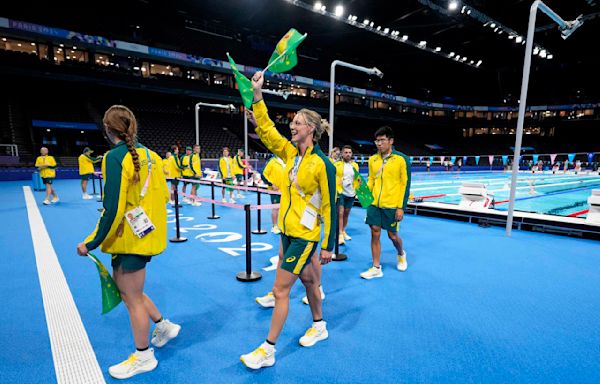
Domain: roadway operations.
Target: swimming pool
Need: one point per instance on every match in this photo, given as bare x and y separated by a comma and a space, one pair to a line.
546, 193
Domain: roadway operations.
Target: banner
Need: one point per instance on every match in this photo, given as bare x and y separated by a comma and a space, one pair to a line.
410, 159
504, 159
442, 159
431, 159
571, 157
465, 160
535, 159
491, 158
552, 158
477, 159
421, 159
590, 157
453, 159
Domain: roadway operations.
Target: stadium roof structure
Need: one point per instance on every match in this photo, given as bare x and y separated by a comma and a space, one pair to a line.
567, 72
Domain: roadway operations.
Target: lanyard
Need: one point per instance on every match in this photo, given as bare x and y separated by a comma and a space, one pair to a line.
294, 174
384, 160
145, 188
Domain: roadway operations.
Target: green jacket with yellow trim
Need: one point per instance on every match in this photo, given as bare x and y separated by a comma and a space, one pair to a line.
315, 172
339, 175
389, 184
122, 195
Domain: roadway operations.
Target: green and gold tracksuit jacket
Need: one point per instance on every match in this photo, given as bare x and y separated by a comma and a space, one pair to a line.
314, 173
113, 234
389, 180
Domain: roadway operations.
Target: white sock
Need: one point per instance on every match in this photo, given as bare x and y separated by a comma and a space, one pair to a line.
269, 348
143, 355
320, 324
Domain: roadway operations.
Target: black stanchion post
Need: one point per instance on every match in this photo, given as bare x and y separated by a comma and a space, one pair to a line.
101, 193
258, 231
178, 238
248, 275
100, 181
338, 256
212, 197
93, 184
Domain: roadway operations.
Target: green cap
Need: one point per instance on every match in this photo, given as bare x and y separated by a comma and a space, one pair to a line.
87, 149
188, 148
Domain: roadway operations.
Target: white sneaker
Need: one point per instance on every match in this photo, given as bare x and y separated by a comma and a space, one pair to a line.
402, 264
263, 356
275, 230
87, 197
266, 301
224, 200
240, 196
138, 362
196, 203
232, 201
346, 236
305, 298
372, 273
46, 202
314, 334
55, 200
341, 240
172, 202
164, 331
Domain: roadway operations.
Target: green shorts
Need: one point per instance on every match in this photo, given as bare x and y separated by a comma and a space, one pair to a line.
47, 180
228, 181
346, 201
130, 263
275, 199
296, 253
239, 178
87, 176
382, 217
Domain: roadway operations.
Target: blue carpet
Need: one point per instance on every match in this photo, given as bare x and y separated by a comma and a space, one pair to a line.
473, 307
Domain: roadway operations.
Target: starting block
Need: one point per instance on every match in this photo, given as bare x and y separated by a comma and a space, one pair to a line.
475, 196
212, 176
593, 215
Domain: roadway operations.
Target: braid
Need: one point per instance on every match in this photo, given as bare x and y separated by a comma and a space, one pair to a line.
134, 156
121, 122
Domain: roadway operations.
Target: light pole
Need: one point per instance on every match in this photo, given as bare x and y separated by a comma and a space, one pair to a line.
197, 110
566, 28
370, 71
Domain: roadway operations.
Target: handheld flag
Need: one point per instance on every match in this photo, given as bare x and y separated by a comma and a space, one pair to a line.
244, 84
364, 195
110, 293
284, 57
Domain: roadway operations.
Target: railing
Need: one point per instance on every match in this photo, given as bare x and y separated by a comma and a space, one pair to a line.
14, 150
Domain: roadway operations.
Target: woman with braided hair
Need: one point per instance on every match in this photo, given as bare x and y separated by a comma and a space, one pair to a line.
133, 229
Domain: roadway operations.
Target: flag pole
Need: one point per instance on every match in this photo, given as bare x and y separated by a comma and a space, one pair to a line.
91, 258
274, 61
